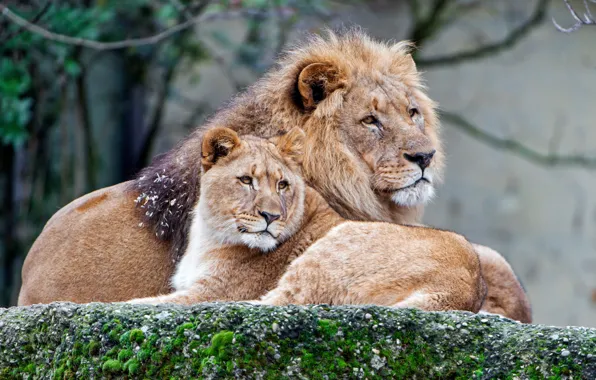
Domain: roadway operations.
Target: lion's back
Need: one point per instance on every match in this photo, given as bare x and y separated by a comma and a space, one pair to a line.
93, 249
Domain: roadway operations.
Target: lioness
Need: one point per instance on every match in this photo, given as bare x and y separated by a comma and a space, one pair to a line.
373, 153
254, 216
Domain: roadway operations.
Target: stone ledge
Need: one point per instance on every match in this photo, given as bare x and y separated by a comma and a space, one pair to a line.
64, 340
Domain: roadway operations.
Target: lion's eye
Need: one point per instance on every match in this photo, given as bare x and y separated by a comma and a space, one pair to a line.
413, 112
374, 125
370, 119
282, 185
245, 180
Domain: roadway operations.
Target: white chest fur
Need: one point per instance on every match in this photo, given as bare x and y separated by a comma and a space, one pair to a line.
195, 262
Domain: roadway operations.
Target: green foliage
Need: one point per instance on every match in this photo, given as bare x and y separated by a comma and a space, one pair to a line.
26, 54
15, 105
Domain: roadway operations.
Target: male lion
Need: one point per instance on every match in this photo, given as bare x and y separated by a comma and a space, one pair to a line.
373, 153
255, 217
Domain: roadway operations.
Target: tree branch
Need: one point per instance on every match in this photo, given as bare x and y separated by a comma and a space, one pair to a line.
133, 42
35, 19
579, 22
516, 147
425, 27
515, 36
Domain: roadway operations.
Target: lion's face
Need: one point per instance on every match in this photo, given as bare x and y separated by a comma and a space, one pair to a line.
251, 193
372, 147
384, 124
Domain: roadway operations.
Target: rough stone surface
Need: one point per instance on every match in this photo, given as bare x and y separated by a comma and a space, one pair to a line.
64, 340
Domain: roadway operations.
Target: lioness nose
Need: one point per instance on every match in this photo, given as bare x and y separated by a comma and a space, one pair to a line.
420, 158
269, 218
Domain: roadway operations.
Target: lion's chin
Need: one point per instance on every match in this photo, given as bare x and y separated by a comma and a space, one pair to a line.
261, 241
421, 193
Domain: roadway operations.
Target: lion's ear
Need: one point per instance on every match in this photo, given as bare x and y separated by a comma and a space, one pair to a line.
410, 63
317, 81
291, 144
217, 143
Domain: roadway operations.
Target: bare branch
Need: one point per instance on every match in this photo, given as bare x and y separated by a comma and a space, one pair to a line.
426, 26
96, 45
515, 36
35, 19
579, 22
516, 147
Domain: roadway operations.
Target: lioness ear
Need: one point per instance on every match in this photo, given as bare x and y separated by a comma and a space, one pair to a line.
217, 143
316, 82
410, 62
291, 145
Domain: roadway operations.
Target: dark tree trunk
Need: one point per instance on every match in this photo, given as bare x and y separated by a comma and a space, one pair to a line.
133, 128
10, 220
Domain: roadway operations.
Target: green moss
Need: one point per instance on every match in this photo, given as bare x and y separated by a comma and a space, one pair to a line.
112, 353
239, 341
93, 348
124, 355
114, 335
59, 373
219, 344
112, 366
132, 366
30, 368
77, 348
328, 327
136, 336
124, 338
143, 354
157, 357
185, 326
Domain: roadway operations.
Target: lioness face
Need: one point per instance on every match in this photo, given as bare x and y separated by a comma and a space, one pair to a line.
384, 123
252, 195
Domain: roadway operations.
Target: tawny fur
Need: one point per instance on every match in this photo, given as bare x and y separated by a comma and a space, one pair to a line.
506, 296
101, 269
385, 264
72, 256
349, 262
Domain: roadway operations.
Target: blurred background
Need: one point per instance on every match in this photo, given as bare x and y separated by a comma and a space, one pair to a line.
517, 96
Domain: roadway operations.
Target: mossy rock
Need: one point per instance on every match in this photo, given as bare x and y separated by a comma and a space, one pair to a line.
224, 340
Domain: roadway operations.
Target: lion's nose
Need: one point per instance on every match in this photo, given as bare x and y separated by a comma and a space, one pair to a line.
269, 218
420, 158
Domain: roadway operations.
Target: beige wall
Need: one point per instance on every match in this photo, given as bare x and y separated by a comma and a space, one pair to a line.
542, 93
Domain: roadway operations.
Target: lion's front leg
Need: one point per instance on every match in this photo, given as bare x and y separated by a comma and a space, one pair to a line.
204, 290
181, 297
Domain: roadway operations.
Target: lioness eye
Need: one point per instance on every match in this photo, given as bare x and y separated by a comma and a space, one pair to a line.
245, 180
413, 111
282, 185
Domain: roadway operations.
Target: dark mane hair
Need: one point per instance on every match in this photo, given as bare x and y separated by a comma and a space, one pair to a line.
168, 190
